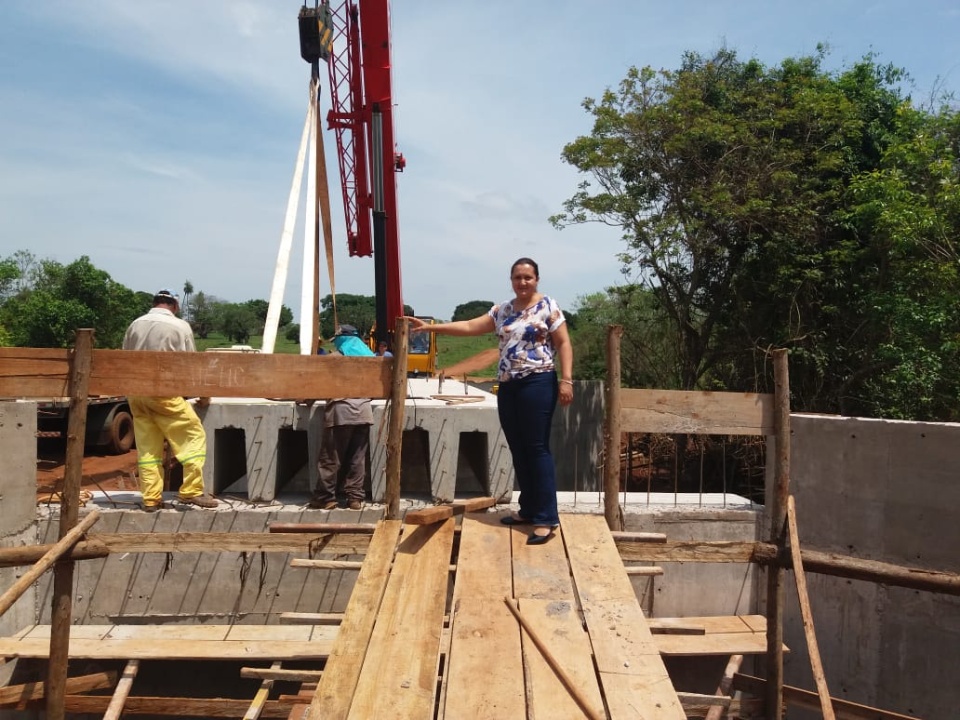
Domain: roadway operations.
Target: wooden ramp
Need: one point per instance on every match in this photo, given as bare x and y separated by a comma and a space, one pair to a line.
572, 592
420, 641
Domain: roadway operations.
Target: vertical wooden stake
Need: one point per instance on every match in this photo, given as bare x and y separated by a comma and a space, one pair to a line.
611, 462
777, 515
398, 401
62, 610
826, 705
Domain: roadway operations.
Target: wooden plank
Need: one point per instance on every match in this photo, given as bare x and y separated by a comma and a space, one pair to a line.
540, 571
153, 648
122, 691
176, 707
37, 372
302, 618
271, 673
232, 542
342, 671
484, 561
485, 638
287, 633
634, 679
845, 710
181, 633
696, 412
399, 675
816, 666
630, 536
484, 678
316, 527
77, 632
736, 643
326, 564
710, 624
643, 570
684, 551
428, 516
103, 545
558, 625
15, 694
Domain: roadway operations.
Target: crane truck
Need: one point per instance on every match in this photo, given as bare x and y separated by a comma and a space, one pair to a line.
353, 38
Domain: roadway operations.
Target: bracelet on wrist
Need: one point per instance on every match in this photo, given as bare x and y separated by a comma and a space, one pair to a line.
568, 382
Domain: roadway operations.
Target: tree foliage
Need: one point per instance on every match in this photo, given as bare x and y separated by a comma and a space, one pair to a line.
54, 300
788, 207
472, 309
357, 310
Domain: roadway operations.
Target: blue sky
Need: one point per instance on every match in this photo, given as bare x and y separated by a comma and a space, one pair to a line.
158, 137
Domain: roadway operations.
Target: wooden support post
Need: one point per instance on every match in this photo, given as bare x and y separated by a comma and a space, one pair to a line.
122, 691
724, 688
611, 460
62, 612
398, 401
44, 563
777, 516
819, 677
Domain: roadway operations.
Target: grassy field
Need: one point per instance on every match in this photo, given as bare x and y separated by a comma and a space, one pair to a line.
450, 350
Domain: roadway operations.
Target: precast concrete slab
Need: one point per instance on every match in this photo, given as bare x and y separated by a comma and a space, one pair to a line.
452, 444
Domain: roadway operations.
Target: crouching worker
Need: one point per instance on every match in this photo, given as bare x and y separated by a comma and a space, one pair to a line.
156, 419
345, 439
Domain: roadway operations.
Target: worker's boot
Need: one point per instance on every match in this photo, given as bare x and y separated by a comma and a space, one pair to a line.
204, 501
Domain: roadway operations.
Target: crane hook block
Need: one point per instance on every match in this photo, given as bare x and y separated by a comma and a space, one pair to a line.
316, 33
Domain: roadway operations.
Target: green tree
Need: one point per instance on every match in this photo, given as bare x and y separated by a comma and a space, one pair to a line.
472, 309
238, 322
748, 213
357, 310
204, 314
64, 298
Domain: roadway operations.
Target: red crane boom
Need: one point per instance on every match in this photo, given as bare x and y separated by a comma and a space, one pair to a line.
362, 120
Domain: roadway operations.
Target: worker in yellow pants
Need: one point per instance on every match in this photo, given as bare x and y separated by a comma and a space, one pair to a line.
173, 419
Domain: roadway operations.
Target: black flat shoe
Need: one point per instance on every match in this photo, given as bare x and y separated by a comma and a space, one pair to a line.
535, 539
511, 520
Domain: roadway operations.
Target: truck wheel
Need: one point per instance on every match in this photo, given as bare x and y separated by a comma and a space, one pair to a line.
121, 433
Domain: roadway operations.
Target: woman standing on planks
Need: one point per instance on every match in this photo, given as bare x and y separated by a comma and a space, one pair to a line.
533, 337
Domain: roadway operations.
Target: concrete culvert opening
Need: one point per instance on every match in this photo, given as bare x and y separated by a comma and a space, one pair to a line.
293, 458
230, 460
472, 464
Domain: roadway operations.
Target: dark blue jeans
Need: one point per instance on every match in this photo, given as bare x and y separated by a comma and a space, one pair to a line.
526, 411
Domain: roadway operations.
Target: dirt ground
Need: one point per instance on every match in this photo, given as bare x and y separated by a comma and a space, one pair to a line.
472, 364
100, 470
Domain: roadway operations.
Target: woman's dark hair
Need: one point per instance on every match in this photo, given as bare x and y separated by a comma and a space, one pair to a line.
526, 261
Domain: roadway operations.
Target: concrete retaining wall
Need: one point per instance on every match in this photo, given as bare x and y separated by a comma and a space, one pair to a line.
18, 500
888, 491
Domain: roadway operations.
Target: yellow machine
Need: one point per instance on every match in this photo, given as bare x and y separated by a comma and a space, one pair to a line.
421, 352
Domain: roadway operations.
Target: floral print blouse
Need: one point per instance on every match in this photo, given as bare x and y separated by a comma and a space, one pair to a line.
525, 343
